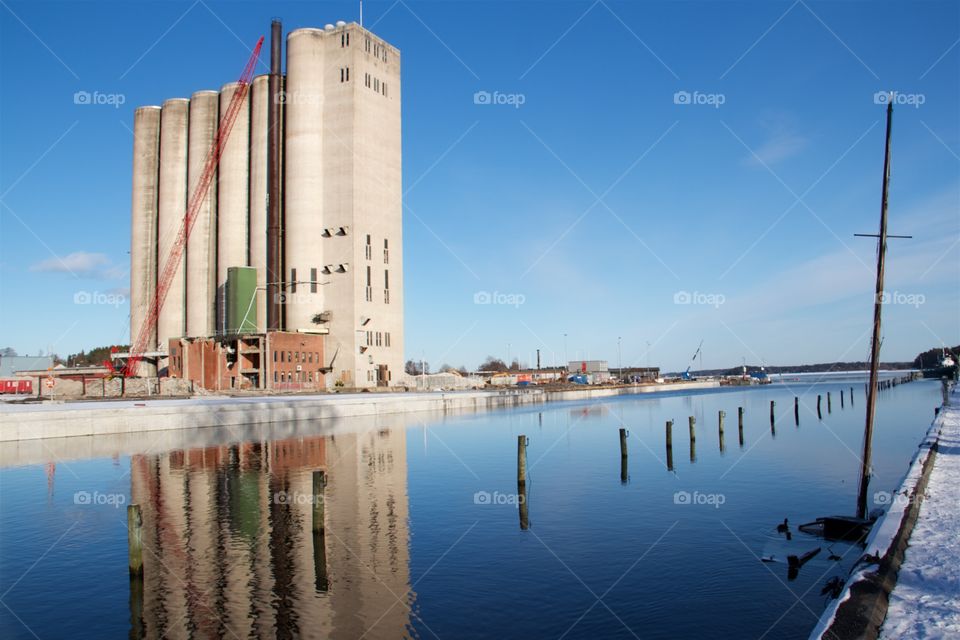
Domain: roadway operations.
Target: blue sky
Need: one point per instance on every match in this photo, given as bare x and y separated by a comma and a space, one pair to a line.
607, 205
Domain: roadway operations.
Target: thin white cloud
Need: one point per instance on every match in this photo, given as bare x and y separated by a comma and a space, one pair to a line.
82, 264
777, 148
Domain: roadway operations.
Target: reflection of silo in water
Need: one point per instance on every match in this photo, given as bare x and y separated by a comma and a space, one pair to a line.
232, 528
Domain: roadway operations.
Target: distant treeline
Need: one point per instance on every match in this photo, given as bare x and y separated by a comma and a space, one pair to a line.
926, 360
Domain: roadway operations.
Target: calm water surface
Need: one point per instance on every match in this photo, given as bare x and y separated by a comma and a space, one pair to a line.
422, 531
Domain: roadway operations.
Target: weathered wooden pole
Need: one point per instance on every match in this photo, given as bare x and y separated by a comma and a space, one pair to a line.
623, 443
669, 433
521, 460
773, 411
693, 438
819, 413
740, 418
720, 416
829, 403
866, 470
851, 396
796, 410
841, 399
319, 489
135, 539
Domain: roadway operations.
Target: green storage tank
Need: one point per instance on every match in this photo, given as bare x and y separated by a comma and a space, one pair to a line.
241, 300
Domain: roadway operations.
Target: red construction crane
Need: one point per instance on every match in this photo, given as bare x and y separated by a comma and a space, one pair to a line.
172, 263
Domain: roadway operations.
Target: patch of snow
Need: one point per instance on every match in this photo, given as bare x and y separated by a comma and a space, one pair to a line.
926, 601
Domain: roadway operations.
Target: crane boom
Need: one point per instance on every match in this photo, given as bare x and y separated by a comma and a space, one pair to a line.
172, 263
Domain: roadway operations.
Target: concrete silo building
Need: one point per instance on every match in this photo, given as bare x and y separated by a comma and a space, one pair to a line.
304, 215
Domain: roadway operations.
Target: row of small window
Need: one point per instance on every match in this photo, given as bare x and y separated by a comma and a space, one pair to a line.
368, 250
378, 338
378, 50
307, 357
312, 282
386, 285
295, 376
345, 39
375, 84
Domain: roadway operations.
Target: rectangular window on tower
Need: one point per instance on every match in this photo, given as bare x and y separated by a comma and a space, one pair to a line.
313, 280
293, 280
366, 80
369, 248
386, 339
369, 285
386, 286
386, 251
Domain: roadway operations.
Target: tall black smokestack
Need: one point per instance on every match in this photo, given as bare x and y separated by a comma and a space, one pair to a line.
274, 197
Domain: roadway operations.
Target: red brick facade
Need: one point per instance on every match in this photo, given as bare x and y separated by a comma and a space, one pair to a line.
278, 361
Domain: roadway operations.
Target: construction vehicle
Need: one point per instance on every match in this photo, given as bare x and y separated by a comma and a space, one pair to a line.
686, 374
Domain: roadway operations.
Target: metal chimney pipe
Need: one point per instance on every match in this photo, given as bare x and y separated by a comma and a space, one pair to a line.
274, 197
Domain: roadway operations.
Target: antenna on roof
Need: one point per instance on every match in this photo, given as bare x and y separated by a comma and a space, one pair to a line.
361, 13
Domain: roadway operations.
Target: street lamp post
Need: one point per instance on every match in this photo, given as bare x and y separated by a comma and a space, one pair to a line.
565, 361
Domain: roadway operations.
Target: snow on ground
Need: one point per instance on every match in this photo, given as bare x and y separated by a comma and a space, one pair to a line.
926, 600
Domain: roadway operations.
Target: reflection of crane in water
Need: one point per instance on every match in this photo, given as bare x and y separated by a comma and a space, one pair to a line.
686, 374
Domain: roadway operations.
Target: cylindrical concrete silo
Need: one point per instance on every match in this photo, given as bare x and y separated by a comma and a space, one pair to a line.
143, 224
232, 197
260, 100
303, 176
202, 244
171, 208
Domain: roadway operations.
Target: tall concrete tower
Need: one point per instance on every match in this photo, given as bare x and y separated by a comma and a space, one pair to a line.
342, 200
341, 235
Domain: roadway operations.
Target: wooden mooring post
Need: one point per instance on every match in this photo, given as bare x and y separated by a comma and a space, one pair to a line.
669, 434
693, 438
829, 403
841, 399
135, 539
796, 410
773, 411
740, 425
521, 460
819, 413
624, 472
851, 396
720, 416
